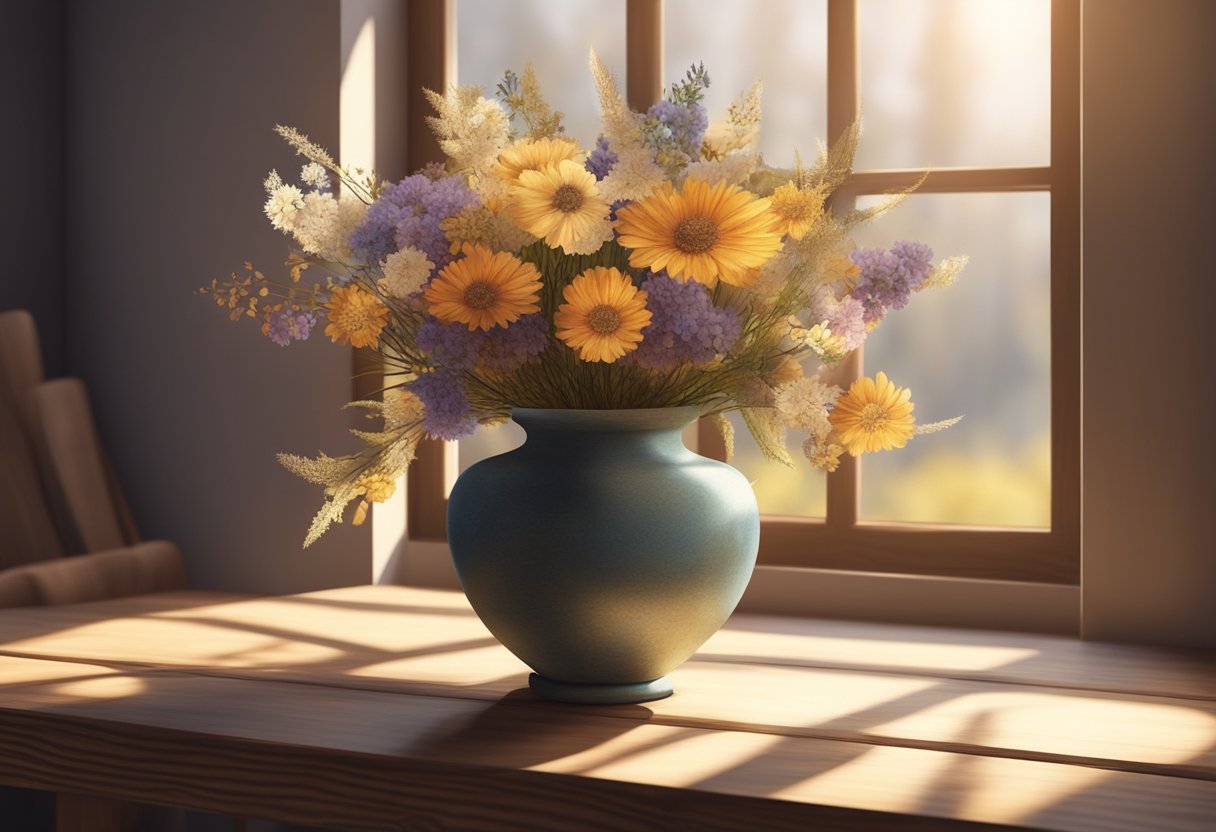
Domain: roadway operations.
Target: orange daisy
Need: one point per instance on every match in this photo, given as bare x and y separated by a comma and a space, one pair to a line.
484, 289
702, 232
603, 316
356, 316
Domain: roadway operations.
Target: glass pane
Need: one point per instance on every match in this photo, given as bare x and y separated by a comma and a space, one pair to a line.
489, 441
951, 83
493, 36
980, 348
800, 491
783, 42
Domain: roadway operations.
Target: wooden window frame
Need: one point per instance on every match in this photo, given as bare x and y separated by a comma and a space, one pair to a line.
841, 541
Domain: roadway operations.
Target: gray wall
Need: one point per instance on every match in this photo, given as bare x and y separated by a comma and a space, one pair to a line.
170, 114
1149, 519
31, 145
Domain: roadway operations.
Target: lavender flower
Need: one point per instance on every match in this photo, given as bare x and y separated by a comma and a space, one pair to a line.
446, 412
450, 345
675, 131
287, 325
410, 213
685, 326
601, 160
888, 278
507, 348
845, 317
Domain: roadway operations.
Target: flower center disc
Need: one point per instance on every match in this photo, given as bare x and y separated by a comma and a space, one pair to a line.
478, 295
567, 199
604, 319
695, 235
873, 418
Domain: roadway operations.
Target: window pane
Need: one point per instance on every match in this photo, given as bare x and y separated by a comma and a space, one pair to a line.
980, 348
951, 83
784, 42
493, 36
800, 491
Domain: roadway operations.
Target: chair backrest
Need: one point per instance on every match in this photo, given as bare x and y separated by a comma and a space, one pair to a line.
80, 492
75, 459
27, 531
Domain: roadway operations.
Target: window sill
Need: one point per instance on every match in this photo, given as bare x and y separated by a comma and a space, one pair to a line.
821, 593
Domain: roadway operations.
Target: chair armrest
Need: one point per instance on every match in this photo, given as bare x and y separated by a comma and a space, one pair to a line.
152, 566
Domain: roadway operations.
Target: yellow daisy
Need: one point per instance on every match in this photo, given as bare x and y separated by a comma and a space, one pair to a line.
701, 232
875, 415
484, 289
797, 209
356, 316
603, 316
561, 203
534, 154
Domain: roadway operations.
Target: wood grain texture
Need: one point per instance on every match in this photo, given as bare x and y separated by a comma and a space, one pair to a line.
363, 760
972, 726
356, 629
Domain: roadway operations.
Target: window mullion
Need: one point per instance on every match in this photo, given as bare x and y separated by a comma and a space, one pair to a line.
843, 110
643, 52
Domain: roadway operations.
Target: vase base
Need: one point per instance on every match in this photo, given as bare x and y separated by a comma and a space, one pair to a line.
600, 694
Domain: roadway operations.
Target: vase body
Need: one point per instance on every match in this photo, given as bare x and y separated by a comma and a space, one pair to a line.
603, 552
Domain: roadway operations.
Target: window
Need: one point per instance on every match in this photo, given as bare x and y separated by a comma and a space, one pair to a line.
1003, 136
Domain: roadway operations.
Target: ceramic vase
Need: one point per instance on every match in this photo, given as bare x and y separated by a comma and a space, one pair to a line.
603, 552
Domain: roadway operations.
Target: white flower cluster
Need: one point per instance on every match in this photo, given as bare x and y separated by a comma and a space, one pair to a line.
284, 204
319, 222
405, 272
803, 404
315, 176
325, 224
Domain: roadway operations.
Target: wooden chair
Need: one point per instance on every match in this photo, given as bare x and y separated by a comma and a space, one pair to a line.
66, 535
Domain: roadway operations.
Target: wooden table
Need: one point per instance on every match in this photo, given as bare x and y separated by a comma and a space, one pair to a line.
393, 708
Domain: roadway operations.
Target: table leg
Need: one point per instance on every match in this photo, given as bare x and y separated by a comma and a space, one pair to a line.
84, 813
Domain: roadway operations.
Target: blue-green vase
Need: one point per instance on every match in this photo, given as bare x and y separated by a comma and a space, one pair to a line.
603, 552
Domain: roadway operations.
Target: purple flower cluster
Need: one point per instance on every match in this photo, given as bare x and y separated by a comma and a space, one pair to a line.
676, 131
685, 325
888, 278
845, 317
455, 347
446, 412
451, 345
601, 160
507, 348
286, 325
409, 213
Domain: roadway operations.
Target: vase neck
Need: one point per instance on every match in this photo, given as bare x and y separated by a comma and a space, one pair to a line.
580, 433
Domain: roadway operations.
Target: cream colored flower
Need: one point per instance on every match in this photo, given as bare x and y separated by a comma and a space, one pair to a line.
405, 272
283, 205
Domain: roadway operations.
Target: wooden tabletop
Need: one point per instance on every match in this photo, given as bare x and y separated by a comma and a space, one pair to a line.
393, 708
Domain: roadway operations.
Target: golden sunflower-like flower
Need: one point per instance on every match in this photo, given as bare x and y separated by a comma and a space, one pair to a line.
797, 209
875, 415
534, 154
701, 232
484, 289
356, 316
561, 203
603, 316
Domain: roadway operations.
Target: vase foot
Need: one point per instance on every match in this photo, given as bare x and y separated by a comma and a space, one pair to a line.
600, 694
